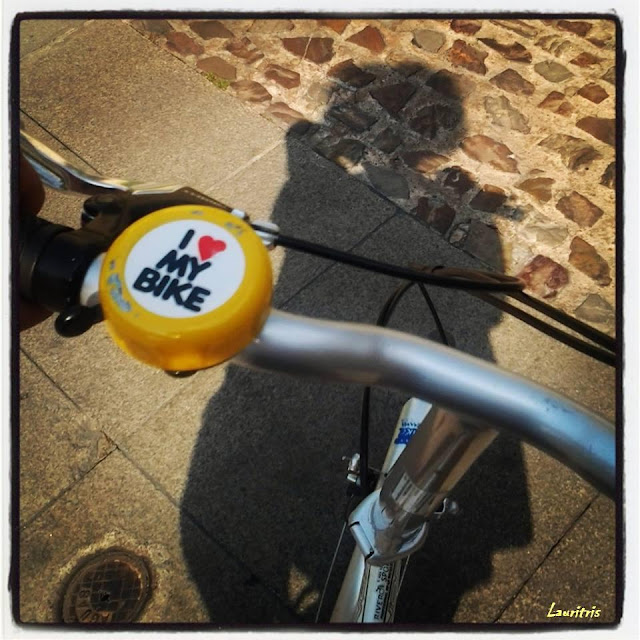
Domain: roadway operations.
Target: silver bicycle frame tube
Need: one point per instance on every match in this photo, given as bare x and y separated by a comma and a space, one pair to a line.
476, 390
368, 593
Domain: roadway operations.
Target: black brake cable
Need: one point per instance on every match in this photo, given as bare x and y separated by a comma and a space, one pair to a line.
476, 282
383, 319
507, 283
606, 355
602, 355
568, 321
601, 339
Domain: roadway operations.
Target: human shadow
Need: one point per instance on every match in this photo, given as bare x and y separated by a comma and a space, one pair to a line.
267, 479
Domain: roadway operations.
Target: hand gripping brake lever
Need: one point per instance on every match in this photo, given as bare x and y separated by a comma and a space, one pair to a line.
54, 258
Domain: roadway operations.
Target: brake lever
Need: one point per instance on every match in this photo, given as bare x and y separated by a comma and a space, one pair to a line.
56, 260
60, 174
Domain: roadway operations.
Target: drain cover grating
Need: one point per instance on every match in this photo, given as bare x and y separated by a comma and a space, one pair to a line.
110, 587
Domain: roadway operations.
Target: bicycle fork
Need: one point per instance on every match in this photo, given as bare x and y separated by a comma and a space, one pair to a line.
431, 450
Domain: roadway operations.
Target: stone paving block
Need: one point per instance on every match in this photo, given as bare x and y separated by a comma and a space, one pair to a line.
180, 42
35, 34
595, 309
142, 521
150, 120
589, 550
58, 443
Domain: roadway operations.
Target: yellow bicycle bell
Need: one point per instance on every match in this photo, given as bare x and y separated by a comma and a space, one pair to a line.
186, 287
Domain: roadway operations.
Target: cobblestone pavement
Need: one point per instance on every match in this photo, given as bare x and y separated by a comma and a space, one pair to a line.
500, 134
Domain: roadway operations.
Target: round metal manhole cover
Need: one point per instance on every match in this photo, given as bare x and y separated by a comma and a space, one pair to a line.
110, 587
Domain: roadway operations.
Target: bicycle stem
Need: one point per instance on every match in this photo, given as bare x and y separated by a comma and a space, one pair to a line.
392, 522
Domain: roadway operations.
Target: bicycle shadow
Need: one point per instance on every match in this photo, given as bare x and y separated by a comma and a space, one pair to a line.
267, 460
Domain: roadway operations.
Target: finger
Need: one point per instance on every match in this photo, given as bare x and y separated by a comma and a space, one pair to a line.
31, 189
30, 314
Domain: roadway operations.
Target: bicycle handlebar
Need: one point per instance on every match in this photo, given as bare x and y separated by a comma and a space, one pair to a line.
53, 270
362, 354
373, 356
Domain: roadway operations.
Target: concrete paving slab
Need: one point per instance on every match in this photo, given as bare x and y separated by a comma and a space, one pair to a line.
111, 387
513, 514
58, 444
35, 34
134, 111
117, 391
308, 197
510, 518
317, 202
115, 506
266, 477
272, 483
163, 445
587, 550
477, 328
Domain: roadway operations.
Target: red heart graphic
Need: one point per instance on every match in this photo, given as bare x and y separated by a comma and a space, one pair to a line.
209, 246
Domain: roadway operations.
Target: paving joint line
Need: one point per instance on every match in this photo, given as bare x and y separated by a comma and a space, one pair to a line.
55, 137
61, 37
66, 490
336, 264
247, 164
563, 535
52, 381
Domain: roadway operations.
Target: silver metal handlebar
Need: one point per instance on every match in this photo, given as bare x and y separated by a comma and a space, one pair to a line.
477, 390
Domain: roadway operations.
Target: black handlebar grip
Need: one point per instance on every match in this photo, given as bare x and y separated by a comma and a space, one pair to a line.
34, 234
54, 260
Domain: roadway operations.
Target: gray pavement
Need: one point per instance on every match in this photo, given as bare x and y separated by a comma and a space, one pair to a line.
231, 482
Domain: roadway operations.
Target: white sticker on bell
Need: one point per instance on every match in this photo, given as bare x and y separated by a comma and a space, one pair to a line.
184, 268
